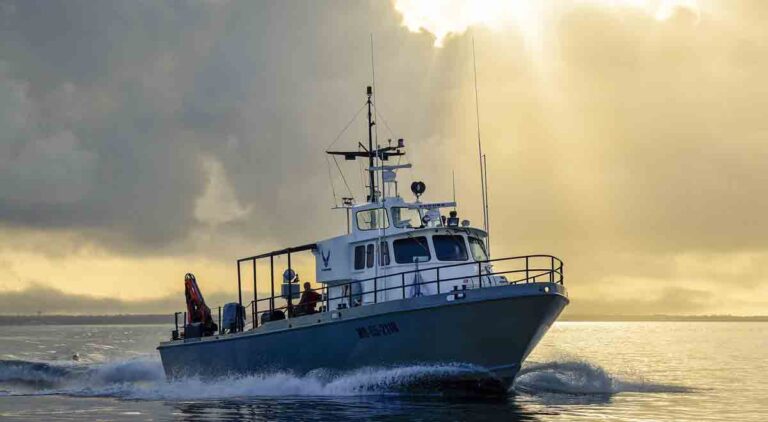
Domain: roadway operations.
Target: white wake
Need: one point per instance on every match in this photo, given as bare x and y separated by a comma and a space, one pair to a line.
144, 379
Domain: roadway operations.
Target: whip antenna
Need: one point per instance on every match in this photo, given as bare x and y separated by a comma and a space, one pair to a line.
483, 186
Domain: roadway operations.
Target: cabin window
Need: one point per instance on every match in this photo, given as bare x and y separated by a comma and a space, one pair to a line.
369, 254
372, 219
450, 247
408, 249
384, 253
404, 218
359, 257
478, 249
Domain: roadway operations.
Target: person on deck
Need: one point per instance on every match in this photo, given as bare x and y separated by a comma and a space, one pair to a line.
309, 299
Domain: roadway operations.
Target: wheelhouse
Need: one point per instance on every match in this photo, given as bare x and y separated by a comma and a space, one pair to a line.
394, 236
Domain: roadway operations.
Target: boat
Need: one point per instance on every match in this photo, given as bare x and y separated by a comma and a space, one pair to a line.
409, 283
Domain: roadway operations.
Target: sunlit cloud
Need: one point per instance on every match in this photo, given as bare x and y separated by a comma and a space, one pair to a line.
219, 203
444, 18
669, 8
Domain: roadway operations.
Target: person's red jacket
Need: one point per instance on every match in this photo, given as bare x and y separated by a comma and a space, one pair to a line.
309, 299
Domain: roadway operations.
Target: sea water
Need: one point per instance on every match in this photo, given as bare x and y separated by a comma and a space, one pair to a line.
629, 371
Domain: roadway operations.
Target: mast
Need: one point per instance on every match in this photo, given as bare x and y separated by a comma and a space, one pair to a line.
371, 175
371, 153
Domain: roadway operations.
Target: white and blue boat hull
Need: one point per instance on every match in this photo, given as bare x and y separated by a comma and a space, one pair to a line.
494, 328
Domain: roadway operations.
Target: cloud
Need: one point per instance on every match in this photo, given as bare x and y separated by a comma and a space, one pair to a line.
218, 204
142, 102
446, 18
678, 301
54, 170
671, 9
48, 300
191, 130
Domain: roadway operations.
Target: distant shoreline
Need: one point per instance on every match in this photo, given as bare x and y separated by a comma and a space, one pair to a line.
149, 319
662, 318
139, 319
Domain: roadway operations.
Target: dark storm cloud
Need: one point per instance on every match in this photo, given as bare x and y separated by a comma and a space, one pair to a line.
90, 142
110, 109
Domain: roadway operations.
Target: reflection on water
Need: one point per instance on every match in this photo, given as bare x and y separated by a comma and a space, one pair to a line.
363, 408
580, 371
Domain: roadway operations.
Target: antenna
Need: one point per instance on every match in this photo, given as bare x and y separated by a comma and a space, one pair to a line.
373, 68
480, 145
487, 209
376, 128
453, 181
383, 185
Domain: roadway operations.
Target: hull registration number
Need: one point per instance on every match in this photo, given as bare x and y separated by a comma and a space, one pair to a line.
377, 330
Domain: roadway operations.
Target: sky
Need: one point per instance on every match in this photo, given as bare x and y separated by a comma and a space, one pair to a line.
142, 140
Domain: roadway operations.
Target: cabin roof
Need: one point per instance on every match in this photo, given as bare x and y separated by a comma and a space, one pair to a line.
367, 236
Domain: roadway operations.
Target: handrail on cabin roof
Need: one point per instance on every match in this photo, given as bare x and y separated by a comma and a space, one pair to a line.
293, 249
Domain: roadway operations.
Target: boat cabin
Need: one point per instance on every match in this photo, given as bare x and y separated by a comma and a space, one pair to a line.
393, 237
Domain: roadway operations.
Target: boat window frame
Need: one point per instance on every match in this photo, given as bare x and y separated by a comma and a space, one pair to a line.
370, 255
384, 256
380, 212
410, 224
472, 240
359, 257
412, 238
463, 246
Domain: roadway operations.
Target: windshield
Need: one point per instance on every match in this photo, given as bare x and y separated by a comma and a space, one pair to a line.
450, 247
478, 249
411, 248
403, 217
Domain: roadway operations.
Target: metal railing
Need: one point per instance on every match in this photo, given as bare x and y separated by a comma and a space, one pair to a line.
219, 328
530, 269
